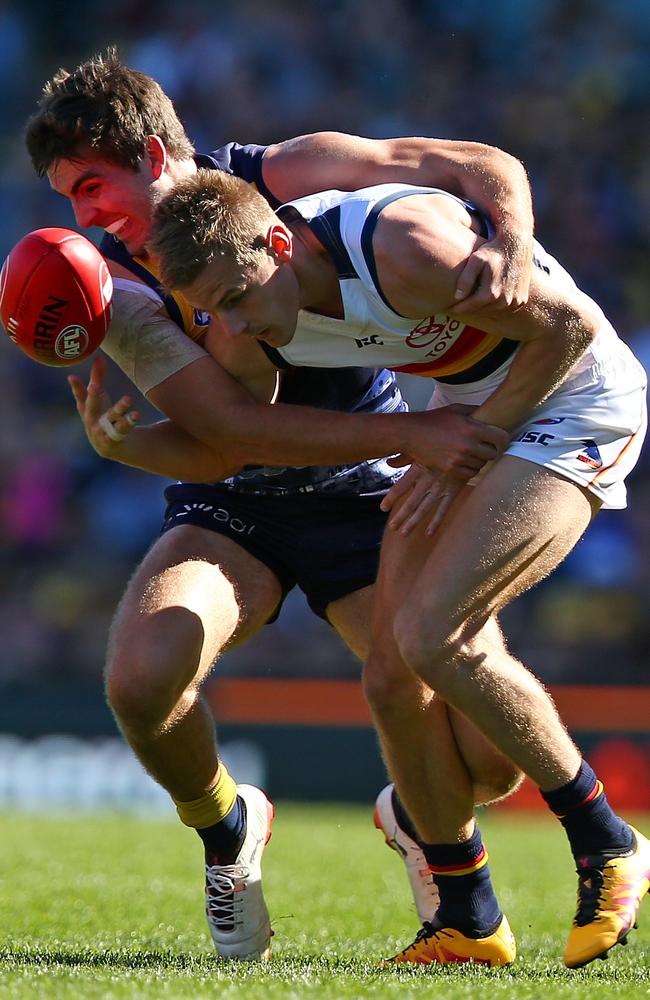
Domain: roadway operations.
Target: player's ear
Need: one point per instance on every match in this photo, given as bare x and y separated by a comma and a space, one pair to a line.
156, 155
280, 242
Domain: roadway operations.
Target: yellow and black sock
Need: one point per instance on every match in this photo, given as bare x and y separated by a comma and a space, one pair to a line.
219, 818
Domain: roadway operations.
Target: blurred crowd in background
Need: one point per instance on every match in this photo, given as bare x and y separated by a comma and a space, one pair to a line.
562, 86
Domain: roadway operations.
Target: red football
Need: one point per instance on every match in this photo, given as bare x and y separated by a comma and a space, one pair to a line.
55, 296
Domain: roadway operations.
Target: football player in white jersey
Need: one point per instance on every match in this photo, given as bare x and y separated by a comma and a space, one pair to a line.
109, 140
330, 278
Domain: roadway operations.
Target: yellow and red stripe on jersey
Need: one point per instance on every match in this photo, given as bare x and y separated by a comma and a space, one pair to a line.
471, 347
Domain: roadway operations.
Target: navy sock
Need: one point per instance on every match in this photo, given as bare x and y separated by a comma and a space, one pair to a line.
591, 824
223, 840
467, 900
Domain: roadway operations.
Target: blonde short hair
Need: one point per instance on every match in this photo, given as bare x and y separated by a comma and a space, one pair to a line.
206, 216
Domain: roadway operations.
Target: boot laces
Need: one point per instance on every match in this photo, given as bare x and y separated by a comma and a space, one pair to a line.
590, 885
427, 930
221, 898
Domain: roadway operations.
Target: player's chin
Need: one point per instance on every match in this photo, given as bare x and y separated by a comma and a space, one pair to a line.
282, 335
272, 336
134, 239
137, 247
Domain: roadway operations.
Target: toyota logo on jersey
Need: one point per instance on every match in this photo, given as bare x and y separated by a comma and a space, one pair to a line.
437, 335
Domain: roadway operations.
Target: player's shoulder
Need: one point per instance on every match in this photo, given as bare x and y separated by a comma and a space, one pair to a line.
138, 279
244, 161
133, 279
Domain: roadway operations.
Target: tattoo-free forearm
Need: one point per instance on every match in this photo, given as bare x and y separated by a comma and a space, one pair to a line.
492, 179
167, 450
538, 369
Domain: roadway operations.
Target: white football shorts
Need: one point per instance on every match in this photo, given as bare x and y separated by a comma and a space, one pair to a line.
590, 430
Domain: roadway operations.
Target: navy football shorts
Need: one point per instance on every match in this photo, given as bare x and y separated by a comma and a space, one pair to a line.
328, 545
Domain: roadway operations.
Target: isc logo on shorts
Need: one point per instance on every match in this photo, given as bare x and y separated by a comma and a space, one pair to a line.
536, 437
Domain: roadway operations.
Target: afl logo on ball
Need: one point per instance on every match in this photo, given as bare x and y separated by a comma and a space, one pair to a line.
71, 342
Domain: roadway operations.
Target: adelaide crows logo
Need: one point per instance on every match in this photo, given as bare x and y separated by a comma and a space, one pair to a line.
591, 455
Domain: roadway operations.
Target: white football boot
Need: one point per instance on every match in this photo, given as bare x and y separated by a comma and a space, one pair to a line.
423, 886
234, 902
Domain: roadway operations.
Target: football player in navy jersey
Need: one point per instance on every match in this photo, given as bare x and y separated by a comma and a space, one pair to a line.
307, 282
109, 140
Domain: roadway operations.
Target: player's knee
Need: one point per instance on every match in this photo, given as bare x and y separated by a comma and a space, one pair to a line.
436, 646
121, 695
135, 702
148, 671
423, 645
384, 679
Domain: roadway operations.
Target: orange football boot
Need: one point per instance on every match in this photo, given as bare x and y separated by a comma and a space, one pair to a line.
446, 946
610, 890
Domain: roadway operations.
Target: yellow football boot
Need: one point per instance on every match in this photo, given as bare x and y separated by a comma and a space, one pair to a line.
445, 946
610, 890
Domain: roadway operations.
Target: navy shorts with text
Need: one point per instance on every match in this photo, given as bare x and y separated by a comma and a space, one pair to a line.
328, 545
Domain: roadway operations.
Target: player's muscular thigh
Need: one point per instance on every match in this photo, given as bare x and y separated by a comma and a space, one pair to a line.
194, 594
479, 563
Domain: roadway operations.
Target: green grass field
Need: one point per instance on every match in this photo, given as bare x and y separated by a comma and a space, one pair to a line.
110, 906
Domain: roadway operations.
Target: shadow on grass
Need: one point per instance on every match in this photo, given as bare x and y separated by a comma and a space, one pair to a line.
111, 958
305, 966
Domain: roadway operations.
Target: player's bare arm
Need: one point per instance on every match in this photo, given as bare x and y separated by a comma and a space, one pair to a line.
497, 274
222, 412
165, 448
231, 416
162, 448
421, 244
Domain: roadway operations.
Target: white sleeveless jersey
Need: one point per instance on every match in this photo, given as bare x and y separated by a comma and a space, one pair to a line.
373, 333
589, 430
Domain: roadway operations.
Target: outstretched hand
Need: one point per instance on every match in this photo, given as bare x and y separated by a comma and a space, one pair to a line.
420, 494
495, 277
107, 424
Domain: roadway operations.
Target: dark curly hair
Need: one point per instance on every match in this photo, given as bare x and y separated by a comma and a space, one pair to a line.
106, 106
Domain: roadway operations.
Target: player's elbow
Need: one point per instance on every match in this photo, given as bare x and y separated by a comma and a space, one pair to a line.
497, 160
215, 468
507, 160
